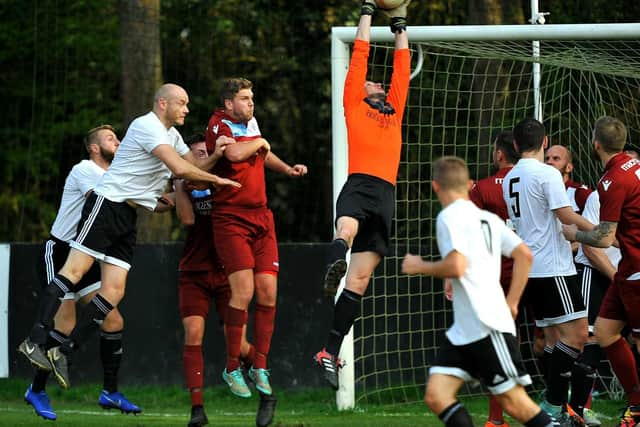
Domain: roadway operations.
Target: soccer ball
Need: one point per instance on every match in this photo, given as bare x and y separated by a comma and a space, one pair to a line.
389, 4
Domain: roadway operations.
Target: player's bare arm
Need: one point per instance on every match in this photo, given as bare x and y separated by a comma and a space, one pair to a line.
453, 265
181, 168
567, 216
184, 208
522, 260
602, 236
599, 260
276, 164
242, 151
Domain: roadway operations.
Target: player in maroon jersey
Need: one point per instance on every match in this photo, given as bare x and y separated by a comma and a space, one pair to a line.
245, 236
561, 158
201, 278
486, 193
619, 191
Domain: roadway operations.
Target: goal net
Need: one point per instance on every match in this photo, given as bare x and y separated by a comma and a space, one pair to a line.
464, 94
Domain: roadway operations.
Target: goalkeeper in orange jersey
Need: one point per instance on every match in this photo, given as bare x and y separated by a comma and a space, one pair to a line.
366, 203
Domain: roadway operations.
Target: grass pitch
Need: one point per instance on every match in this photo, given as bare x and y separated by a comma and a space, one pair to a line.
170, 406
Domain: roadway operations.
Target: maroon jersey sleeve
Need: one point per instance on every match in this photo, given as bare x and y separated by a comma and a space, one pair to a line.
612, 196
215, 129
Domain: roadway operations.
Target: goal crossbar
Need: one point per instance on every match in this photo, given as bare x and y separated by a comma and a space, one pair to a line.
500, 32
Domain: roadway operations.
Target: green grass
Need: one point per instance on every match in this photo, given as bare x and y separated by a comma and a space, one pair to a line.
169, 406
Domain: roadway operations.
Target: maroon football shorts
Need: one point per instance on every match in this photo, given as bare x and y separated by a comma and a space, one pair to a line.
621, 302
246, 240
196, 289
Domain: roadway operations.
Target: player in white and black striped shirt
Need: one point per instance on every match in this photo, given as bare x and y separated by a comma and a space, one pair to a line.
537, 202
481, 343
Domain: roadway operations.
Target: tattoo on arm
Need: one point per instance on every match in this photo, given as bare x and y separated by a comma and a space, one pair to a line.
596, 237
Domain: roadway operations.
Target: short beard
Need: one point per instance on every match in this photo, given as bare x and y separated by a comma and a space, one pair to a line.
107, 155
378, 97
595, 156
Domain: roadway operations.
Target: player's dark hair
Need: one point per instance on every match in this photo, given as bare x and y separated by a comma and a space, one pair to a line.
611, 133
529, 135
194, 138
504, 143
451, 173
232, 86
91, 136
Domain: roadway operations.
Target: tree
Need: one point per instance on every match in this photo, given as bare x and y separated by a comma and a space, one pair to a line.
141, 76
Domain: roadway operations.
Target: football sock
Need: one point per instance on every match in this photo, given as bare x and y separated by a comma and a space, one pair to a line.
235, 320
92, 317
193, 366
48, 304
337, 250
456, 416
621, 358
542, 419
544, 361
346, 311
111, 355
583, 376
495, 409
263, 324
55, 338
561, 363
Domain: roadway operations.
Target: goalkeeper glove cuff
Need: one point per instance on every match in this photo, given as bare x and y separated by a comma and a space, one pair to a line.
368, 7
398, 24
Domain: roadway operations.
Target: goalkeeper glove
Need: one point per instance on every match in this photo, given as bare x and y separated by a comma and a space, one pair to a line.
398, 17
368, 7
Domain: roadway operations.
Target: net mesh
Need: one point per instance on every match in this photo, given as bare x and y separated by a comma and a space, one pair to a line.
465, 94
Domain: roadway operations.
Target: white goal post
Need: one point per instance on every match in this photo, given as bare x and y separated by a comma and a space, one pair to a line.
342, 37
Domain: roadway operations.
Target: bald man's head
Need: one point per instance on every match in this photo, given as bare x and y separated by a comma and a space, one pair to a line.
560, 158
170, 104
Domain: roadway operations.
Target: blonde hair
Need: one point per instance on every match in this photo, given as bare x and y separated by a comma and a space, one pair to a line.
451, 173
611, 133
92, 135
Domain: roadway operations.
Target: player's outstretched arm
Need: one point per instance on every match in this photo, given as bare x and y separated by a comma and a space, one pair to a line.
364, 25
183, 169
567, 216
276, 164
522, 260
453, 265
602, 236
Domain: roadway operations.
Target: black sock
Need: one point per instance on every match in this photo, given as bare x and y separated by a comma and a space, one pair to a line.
48, 304
337, 250
561, 363
346, 311
111, 354
542, 419
92, 317
456, 416
546, 366
55, 338
583, 376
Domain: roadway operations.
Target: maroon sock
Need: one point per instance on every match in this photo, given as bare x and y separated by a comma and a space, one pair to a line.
264, 319
624, 366
495, 409
235, 320
193, 367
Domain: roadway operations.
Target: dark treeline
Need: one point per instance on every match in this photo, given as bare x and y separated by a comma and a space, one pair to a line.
61, 73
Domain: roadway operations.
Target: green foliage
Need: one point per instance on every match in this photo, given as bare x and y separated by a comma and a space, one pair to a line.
59, 77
